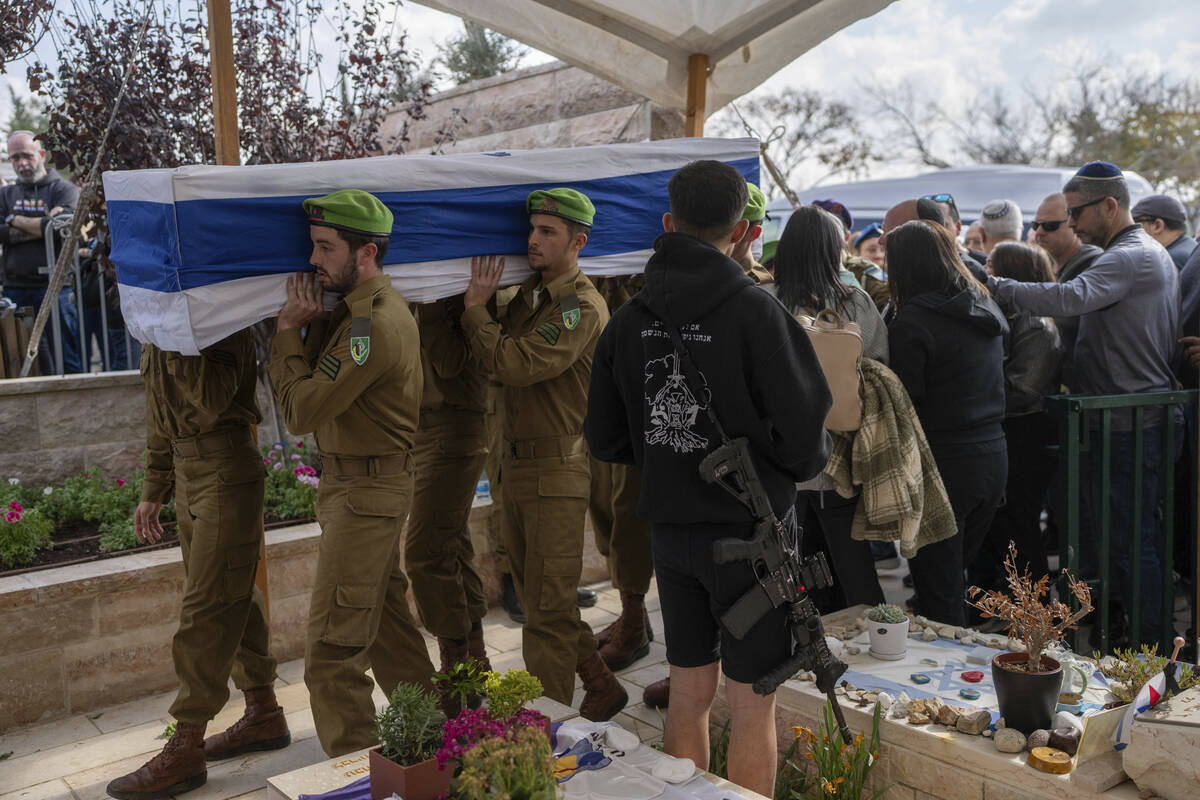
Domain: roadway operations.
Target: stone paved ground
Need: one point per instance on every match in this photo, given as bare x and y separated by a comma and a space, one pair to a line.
75, 757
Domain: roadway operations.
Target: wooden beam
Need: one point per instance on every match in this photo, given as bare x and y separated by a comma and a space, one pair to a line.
696, 91
224, 82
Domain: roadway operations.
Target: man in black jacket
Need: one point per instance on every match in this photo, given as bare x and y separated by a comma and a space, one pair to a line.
766, 384
26, 208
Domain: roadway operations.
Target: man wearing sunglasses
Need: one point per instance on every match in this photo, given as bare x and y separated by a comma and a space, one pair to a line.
1127, 302
1071, 257
1165, 219
953, 223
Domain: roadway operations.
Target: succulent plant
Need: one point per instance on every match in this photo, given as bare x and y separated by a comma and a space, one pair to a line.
886, 613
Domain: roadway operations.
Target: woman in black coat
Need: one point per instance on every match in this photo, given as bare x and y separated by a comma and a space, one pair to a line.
807, 263
947, 347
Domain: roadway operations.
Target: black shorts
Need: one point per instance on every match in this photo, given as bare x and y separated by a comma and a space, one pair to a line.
694, 592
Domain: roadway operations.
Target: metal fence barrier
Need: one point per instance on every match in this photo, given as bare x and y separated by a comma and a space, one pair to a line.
1086, 422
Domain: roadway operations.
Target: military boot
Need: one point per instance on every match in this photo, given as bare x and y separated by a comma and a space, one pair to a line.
631, 638
606, 633
178, 768
476, 648
262, 727
604, 696
657, 694
451, 653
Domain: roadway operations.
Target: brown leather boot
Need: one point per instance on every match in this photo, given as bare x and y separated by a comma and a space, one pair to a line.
604, 696
606, 633
629, 641
451, 653
177, 769
476, 648
657, 694
263, 727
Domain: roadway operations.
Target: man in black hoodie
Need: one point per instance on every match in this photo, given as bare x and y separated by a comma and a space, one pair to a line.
765, 383
26, 208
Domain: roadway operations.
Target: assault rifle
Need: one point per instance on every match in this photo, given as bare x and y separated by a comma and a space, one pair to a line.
784, 578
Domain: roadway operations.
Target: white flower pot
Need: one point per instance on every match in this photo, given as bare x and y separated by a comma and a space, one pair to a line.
889, 640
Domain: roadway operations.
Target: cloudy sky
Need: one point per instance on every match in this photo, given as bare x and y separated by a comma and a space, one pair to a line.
952, 44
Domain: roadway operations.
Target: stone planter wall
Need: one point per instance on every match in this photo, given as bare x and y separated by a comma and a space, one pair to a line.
58, 426
92, 635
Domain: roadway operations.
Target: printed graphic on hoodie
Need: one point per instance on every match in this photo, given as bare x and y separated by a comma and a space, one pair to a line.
673, 407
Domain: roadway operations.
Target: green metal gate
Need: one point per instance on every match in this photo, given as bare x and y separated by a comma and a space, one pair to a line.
1077, 416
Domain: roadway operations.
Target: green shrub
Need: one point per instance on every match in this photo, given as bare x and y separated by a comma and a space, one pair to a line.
410, 726
516, 766
23, 532
508, 693
291, 489
118, 535
886, 613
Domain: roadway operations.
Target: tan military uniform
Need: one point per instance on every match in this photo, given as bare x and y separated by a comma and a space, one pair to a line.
622, 538
451, 445
870, 277
543, 356
757, 272
364, 417
199, 413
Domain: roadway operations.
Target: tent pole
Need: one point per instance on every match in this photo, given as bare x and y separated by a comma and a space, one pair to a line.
697, 88
224, 82
225, 130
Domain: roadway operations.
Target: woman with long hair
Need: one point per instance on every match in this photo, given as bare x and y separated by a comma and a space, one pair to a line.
1032, 371
807, 264
947, 347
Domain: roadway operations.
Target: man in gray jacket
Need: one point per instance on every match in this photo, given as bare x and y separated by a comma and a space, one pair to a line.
1128, 305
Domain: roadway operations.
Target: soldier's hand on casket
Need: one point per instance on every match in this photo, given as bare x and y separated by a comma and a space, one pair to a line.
485, 279
304, 304
145, 522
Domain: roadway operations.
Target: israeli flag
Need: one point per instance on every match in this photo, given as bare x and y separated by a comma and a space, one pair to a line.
1146, 699
202, 252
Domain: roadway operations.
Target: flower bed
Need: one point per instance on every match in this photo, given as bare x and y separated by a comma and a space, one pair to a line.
90, 515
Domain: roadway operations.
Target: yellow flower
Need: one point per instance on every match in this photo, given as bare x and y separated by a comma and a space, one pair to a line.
799, 731
827, 787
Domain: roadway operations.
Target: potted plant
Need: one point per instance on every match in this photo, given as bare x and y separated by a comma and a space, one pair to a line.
410, 733
504, 715
1027, 684
460, 686
517, 764
889, 632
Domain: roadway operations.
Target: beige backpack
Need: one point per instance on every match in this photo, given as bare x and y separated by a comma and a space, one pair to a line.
839, 348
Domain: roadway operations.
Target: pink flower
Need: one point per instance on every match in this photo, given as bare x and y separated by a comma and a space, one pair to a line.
278, 465
12, 516
15, 506
295, 456
266, 460
309, 480
277, 447
120, 482
300, 444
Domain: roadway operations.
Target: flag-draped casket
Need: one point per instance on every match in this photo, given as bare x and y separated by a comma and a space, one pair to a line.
204, 251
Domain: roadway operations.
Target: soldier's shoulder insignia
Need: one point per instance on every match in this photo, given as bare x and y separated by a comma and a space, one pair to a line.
569, 305
549, 331
222, 357
360, 339
330, 364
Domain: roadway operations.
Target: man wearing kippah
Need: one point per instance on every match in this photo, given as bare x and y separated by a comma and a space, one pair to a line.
355, 382
541, 351
1128, 308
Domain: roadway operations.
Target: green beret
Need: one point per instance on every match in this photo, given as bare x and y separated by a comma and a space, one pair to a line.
565, 203
350, 210
756, 206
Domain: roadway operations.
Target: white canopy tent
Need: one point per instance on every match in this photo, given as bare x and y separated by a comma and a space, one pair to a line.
665, 49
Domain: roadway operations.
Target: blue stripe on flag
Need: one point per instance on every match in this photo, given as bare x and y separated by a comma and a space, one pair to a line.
221, 239
144, 246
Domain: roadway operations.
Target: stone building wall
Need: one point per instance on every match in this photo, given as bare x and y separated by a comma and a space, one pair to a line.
55, 427
550, 105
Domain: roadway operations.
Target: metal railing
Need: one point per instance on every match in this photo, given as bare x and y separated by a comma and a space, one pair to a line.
1079, 419
75, 283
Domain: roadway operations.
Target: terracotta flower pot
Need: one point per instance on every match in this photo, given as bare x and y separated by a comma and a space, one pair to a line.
1027, 699
422, 781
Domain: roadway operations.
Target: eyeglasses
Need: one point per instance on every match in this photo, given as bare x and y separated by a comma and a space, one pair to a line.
1049, 226
1074, 211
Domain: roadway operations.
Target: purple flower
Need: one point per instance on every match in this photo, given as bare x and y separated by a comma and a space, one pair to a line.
266, 460
295, 456
277, 447
278, 465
